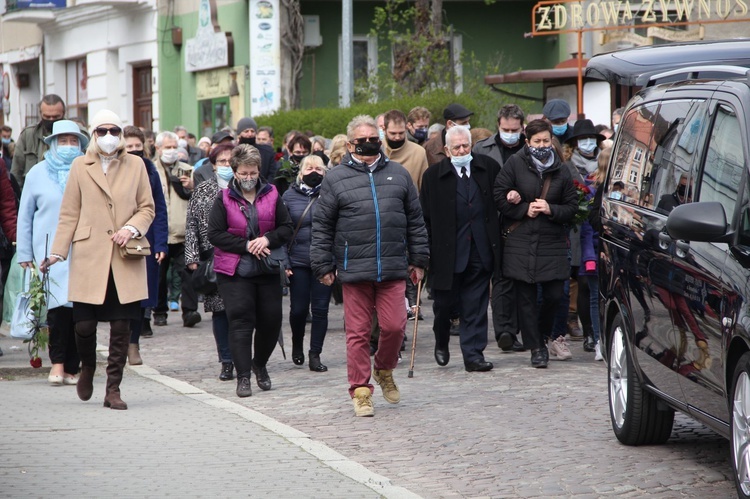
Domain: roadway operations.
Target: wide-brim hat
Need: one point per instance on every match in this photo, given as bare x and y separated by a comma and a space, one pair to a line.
585, 128
66, 127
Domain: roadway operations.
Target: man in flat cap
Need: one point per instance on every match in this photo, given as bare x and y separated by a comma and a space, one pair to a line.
455, 115
557, 112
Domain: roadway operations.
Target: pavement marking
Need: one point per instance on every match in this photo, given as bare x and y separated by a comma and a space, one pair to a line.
326, 455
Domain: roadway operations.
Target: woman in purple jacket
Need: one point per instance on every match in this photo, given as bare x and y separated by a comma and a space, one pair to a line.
246, 221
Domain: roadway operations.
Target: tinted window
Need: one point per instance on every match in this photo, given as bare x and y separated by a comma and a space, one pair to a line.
725, 159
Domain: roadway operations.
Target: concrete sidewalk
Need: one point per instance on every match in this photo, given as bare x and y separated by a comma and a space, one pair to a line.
176, 440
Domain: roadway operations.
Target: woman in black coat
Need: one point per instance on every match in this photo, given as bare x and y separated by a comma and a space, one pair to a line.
535, 244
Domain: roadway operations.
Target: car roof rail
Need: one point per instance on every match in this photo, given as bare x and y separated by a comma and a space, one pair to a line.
692, 72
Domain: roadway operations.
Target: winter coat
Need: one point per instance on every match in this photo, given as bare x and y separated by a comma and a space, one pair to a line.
438, 198
30, 149
229, 237
435, 148
588, 236
157, 234
196, 233
175, 198
90, 203
412, 157
8, 206
38, 214
537, 249
370, 222
296, 201
496, 149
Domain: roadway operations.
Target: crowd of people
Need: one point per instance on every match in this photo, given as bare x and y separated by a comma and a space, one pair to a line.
484, 219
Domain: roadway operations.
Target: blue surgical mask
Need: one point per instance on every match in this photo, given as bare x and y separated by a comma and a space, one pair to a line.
68, 153
381, 134
510, 138
616, 127
459, 161
224, 172
6, 140
559, 129
587, 146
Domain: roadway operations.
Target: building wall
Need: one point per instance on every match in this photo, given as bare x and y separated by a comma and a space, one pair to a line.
20, 48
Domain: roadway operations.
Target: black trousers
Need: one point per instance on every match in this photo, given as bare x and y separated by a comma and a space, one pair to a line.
504, 310
469, 293
62, 339
536, 320
253, 305
189, 298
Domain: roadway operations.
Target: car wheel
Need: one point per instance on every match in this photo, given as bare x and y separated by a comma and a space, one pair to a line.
740, 407
636, 418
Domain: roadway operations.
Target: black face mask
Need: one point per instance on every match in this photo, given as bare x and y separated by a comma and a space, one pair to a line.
247, 140
681, 190
136, 153
367, 149
313, 179
47, 125
297, 158
420, 134
395, 144
152, 151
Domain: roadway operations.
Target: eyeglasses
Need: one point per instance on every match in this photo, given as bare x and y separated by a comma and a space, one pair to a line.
371, 140
115, 131
246, 175
222, 162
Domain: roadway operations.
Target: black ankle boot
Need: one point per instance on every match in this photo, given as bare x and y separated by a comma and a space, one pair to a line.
227, 371
315, 364
298, 355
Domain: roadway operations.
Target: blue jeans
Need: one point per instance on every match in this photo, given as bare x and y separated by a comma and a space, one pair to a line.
307, 293
220, 326
593, 282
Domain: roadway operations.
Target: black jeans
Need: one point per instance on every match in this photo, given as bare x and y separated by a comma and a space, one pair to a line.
189, 298
62, 339
252, 305
504, 310
536, 320
307, 293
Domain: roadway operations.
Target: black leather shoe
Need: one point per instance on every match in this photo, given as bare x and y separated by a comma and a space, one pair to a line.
442, 356
479, 366
518, 346
539, 357
160, 320
146, 330
455, 327
227, 371
190, 318
262, 377
244, 389
298, 356
505, 342
315, 364
589, 345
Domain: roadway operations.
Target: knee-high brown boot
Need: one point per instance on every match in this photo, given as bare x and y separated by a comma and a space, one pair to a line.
86, 345
119, 340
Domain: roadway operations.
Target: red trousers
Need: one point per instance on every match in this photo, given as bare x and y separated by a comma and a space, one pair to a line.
360, 300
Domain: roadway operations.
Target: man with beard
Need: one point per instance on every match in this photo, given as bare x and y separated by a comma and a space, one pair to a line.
417, 125
509, 138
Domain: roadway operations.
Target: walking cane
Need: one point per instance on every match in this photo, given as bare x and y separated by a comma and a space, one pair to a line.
416, 323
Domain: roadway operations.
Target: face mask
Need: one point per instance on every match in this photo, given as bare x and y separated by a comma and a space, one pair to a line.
541, 153
136, 153
108, 144
6, 141
224, 172
182, 143
169, 156
297, 158
420, 134
395, 144
616, 195
681, 190
559, 129
587, 146
466, 126
459, 161
47, 125
247, 184
367, 149
616, 127
247, 140
510, 138
313, 179
68, 153
381, 134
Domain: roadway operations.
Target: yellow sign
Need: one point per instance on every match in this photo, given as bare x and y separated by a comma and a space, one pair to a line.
212, 84
610, 14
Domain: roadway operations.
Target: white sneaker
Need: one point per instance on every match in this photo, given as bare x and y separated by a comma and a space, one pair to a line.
598, 352
559, 350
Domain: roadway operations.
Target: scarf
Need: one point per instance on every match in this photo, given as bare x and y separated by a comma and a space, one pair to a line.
57, 170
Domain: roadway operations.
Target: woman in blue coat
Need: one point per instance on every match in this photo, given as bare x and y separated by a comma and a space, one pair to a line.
157, 238
38, 212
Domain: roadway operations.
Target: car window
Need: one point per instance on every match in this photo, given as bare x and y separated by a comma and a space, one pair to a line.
679, 131
629, 167
724, 163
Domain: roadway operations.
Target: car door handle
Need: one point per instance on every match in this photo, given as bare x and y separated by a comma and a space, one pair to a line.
664, 241
682, 245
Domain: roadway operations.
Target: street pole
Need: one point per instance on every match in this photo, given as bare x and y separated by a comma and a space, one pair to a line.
347, 55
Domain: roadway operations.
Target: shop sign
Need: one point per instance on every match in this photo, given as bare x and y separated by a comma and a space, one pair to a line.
211, 48
265, 58
40, 4
212, 84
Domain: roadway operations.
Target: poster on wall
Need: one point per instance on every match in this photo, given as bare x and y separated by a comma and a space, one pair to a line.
265, 57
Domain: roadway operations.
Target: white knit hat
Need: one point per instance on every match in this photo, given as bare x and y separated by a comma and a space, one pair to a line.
104, 117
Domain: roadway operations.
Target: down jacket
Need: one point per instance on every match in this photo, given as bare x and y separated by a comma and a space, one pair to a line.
369, 222
536, 250
296, 201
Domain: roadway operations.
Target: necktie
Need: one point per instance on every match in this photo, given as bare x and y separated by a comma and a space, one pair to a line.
465, 178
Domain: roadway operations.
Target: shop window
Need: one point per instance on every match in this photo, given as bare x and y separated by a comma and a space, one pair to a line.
365, 55
77, 98
214, 115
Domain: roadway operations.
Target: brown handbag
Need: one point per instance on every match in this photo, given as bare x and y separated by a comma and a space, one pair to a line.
135, 248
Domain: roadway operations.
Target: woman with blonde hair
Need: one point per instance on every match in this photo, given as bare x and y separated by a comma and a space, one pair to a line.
338, 149
107, 202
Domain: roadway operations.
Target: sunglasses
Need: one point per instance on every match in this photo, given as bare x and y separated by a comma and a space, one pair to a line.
371, 140
114, 131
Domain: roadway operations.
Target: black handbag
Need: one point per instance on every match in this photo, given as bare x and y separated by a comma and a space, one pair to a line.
204, 277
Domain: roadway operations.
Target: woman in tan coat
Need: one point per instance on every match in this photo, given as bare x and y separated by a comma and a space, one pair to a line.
107, 202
